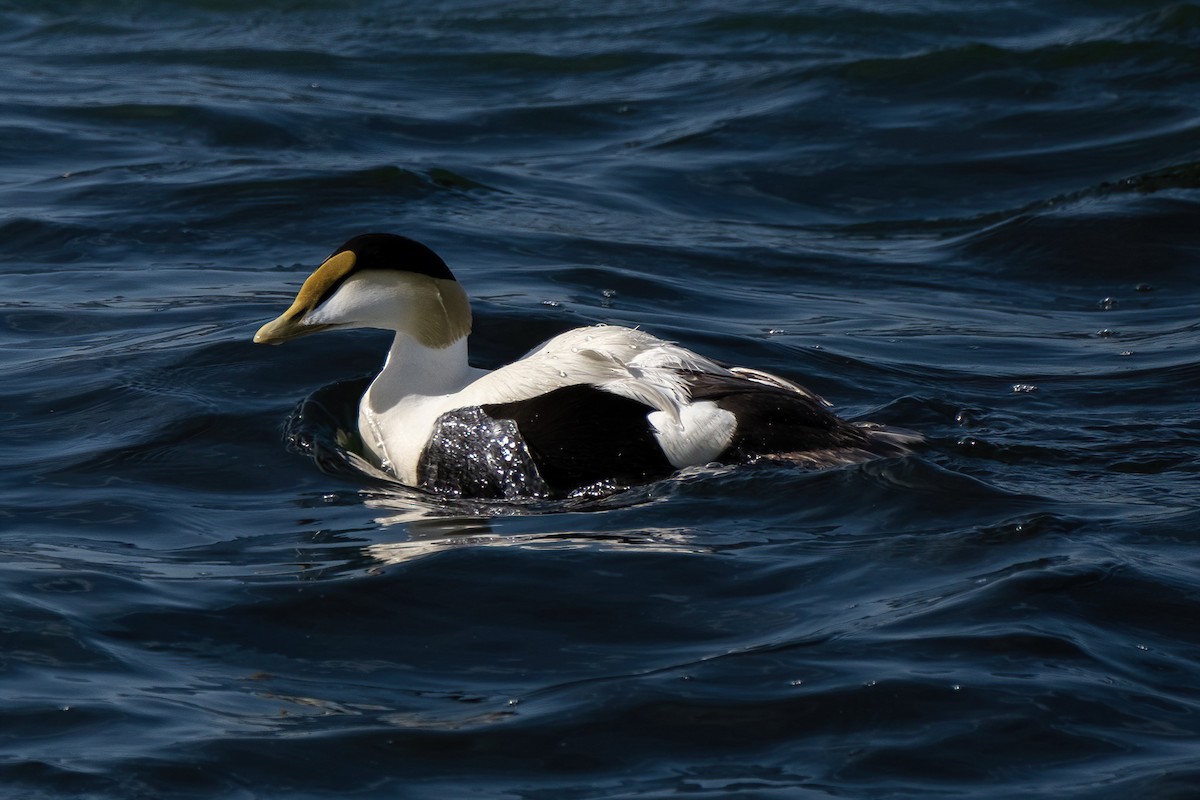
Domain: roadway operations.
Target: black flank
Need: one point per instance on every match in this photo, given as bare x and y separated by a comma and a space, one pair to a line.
581, 435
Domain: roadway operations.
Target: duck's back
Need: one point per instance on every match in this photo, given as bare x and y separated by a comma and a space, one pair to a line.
609, 407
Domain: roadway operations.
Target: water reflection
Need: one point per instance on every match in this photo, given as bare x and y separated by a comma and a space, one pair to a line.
435, 527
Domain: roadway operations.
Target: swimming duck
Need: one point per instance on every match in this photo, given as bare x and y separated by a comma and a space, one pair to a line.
593, 409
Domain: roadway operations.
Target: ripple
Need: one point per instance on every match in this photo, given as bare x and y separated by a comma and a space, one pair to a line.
910, 210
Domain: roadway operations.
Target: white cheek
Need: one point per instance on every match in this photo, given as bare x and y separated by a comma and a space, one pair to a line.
367, 302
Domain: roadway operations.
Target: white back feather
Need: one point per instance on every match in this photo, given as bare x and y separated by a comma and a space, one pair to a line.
624, 361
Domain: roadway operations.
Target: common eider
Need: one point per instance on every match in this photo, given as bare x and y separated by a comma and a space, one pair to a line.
593, 409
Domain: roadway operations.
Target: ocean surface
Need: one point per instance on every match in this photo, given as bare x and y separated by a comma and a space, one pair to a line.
977, 220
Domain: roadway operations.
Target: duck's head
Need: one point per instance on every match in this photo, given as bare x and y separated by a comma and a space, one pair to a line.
378, 280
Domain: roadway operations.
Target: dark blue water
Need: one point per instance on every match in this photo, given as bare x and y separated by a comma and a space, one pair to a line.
977, 220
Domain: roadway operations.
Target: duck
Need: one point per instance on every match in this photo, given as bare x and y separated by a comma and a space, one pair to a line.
592, 410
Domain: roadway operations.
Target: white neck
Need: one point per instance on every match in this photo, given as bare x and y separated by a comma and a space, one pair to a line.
412, 369
405, 398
